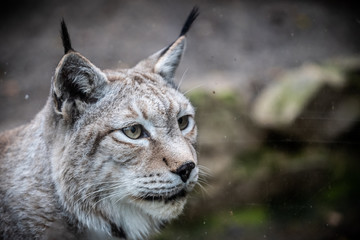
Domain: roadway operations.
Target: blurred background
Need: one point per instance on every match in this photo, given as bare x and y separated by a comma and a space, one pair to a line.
276, 85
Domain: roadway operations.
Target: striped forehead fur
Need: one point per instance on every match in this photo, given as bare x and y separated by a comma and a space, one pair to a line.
148, 92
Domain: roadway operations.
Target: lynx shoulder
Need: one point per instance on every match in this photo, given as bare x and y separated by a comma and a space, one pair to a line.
112, 152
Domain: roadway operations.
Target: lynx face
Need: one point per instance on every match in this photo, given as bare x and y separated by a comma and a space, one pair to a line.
124, 155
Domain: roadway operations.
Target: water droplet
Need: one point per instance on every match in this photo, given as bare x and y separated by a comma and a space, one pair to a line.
26, 97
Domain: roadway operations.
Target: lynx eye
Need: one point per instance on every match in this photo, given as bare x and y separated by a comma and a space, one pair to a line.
134, 131
183, 122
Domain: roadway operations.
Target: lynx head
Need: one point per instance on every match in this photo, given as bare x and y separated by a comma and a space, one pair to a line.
124, 158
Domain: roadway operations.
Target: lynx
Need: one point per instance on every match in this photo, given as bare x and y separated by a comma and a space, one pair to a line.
111, 155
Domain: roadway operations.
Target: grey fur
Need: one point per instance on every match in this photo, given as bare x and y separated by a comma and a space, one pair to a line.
72, 173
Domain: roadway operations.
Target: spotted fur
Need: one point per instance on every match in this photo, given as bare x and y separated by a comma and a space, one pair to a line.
74, 172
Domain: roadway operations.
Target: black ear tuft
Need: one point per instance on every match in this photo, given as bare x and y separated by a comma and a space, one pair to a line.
165, 61
191, 18
65, 37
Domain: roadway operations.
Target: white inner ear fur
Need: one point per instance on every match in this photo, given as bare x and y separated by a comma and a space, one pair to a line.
167, 63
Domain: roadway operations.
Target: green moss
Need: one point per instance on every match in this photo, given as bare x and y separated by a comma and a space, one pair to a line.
334, 193
253, 216
198, 97
227, 97
222, 99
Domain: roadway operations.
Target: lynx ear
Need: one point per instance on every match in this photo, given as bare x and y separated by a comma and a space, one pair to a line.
169, 59
166, 61
77, 82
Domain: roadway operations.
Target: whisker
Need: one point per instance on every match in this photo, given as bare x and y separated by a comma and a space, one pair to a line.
122, 197
204, 170
203, 189
111, 195
204, 178
101, 183
204, 167
191, 89
114, 193
102, 189
182, 78
204, 174
88, 195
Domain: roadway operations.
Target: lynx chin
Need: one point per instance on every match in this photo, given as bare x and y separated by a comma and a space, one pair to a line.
111, 155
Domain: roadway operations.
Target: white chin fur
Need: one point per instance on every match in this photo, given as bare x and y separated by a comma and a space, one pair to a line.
138, 218
161, 210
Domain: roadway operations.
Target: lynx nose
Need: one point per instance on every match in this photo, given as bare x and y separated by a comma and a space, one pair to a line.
184, 170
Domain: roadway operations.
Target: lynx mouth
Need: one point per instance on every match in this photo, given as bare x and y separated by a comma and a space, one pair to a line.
152, 198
